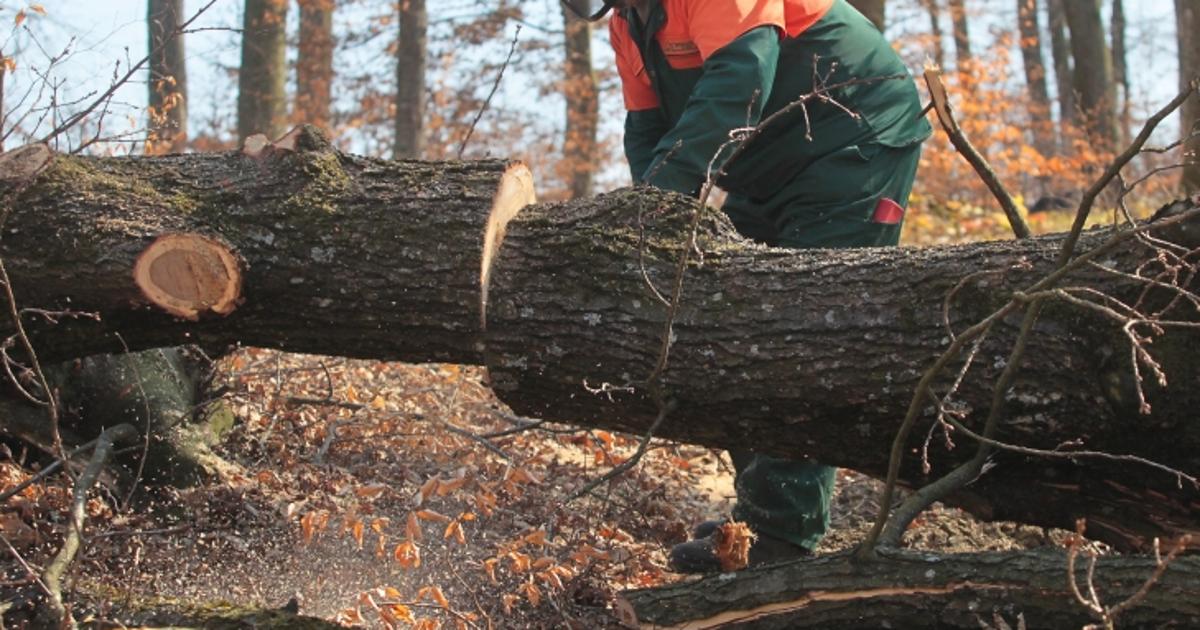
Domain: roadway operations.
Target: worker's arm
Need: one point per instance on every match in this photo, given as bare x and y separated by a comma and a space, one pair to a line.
645, 123
730, 94
643, 131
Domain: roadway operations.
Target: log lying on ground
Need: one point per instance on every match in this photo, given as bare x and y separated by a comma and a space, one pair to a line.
292, 245
818, 353
791, 353
920, 590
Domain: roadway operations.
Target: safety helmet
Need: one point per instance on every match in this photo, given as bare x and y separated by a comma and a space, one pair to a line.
583, 8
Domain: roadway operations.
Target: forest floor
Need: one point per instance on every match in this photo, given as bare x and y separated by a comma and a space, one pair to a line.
359, 489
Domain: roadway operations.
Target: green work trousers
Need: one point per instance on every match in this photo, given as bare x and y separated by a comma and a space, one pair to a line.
833, 203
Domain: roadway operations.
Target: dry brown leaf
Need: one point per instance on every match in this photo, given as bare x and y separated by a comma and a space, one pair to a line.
430, 515
446, 487
532, 593
489, 566
434, 594
455, 530
369, 492
427, 488
350, 617
408, 555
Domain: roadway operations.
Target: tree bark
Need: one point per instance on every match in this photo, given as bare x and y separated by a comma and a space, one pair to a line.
919, 590
410, 80
262, 81
581, 92
1121, 71
3, 112
1035, 75
812, 353
314, 68
962, 36
875, 10
933, 7
168, 77
1187, 16
1093, 76
316, 236
1060, 47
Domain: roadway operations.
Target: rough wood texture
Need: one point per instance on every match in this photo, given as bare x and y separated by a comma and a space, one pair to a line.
918, 590
817, 353
342, 255
793, 353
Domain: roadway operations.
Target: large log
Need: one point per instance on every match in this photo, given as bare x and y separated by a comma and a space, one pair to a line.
290, 245
793, 353
921, 590
818, 353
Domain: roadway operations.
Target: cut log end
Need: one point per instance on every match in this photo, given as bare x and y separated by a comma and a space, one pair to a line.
515, 192
188, 275
23, 163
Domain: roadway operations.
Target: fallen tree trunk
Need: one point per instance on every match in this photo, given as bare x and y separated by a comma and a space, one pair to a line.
291, 245
792, 353
921, 590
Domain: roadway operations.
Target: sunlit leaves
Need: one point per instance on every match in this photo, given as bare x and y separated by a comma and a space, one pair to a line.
408, 555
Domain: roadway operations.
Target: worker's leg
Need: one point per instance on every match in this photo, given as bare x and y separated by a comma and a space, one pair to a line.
783, 498
841, 200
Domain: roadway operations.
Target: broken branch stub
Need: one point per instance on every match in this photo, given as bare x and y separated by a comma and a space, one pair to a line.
22, 163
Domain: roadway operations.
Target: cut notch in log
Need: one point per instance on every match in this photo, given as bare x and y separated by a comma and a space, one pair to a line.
189, 274
514, 192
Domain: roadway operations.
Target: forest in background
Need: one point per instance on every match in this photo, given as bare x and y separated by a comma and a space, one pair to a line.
1049, 92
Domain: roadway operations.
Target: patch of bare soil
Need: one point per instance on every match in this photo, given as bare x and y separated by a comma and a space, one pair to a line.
390, 495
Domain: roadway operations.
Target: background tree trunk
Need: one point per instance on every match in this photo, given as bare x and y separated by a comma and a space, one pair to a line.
962, 37
875, 10
3, 116
262, 82
1035, 76
410, 80
314, 68
582, 95
1093, 76
918, 590
1121, 70
1187, 14
791, 353
933, 8
168, 77
1060, 47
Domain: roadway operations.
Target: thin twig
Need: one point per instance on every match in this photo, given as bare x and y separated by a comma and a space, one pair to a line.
623, 467
1063, 264
495, 86
66, 554
945, 114
107, 95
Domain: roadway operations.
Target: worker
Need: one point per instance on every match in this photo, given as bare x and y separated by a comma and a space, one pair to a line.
834, 170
